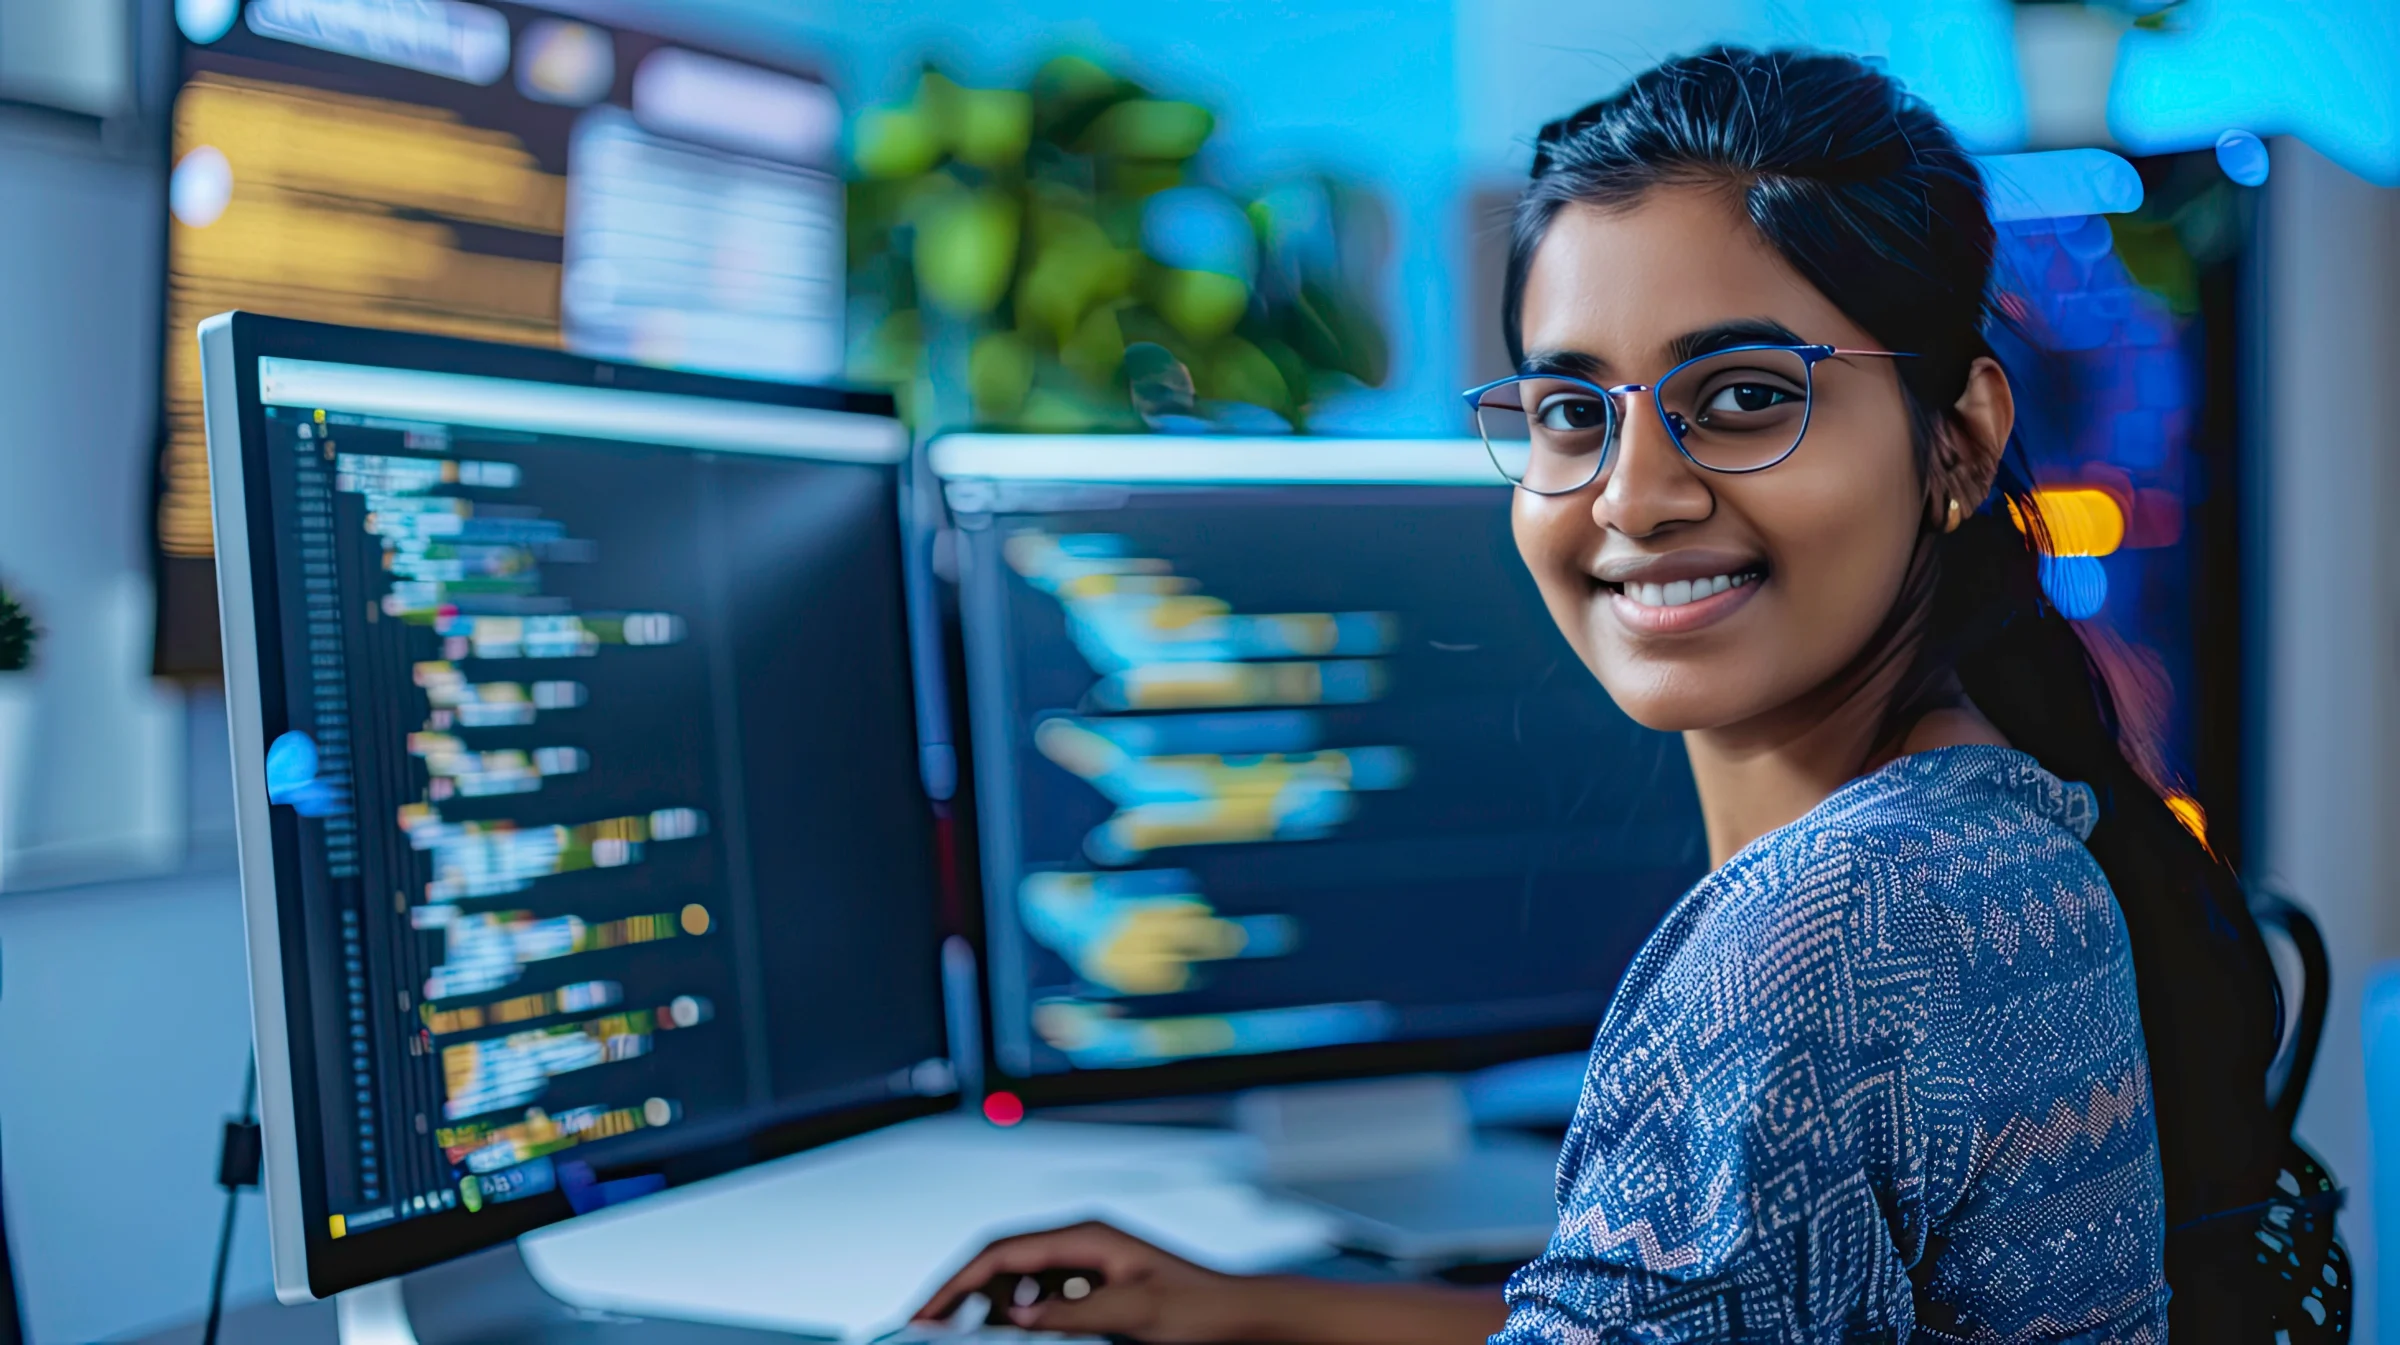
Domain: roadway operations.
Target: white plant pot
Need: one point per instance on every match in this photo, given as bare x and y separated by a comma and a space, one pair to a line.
16, 764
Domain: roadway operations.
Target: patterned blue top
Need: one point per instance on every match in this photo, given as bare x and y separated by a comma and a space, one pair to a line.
1879, 1076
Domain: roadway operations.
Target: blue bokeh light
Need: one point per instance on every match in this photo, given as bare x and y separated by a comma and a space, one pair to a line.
204, 21
2077, 585
2055, 184
2243, 156
292, 778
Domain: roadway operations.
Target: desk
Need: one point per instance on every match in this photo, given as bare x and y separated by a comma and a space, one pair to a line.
490, 1299
893, 1208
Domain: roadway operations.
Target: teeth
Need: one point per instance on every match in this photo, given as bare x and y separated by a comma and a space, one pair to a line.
1684, 591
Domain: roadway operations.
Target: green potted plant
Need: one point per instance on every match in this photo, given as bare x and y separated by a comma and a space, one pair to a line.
1062, 257
18, 637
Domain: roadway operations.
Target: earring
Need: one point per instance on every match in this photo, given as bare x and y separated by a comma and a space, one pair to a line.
1952, 524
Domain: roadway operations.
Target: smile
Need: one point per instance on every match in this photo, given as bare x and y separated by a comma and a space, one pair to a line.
1684, 591
1679, 605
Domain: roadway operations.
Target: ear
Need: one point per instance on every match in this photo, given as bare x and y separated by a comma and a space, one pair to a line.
1974, 436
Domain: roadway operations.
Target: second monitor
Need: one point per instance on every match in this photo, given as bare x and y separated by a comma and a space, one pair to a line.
1282, 770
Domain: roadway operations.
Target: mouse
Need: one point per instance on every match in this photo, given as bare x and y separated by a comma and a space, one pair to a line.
1009, 1289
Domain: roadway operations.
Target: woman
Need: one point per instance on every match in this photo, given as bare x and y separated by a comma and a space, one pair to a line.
1883, 1070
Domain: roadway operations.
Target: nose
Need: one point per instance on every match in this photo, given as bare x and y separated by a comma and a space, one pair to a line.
1650, 485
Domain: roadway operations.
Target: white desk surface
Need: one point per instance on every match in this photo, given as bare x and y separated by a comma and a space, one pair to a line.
845, 1240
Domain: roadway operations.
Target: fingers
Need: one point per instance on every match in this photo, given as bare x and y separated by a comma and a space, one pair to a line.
1087, 1244
1108, 1312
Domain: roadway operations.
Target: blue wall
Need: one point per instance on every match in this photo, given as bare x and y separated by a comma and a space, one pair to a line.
123, 1012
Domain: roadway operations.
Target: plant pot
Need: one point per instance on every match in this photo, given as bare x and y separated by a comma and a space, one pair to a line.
16, 763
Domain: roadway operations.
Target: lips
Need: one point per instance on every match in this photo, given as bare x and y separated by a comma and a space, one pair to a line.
1669, 595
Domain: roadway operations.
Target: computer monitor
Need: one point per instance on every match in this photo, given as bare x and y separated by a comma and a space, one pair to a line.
1281, 769
582, 841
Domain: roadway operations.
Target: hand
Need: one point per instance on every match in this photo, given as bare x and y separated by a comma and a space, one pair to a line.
1148, 1294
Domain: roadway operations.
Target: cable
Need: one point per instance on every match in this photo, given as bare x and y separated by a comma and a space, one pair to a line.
237, 1167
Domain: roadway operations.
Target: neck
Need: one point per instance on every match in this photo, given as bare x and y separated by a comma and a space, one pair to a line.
1766, 773
1755, 777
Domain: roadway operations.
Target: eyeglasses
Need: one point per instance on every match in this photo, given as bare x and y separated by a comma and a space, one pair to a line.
1743, 409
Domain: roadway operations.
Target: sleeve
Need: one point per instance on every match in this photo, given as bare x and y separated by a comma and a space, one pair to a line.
1757, 1145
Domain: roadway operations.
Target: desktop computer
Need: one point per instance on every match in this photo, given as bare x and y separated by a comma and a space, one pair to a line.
591, 741
1282, 772
583, 845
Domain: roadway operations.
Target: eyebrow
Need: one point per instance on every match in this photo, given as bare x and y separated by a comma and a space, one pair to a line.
1689, 346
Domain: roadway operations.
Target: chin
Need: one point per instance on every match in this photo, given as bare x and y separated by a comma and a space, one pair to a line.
1672, 697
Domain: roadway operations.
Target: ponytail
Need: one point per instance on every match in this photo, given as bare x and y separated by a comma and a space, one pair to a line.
2208, 994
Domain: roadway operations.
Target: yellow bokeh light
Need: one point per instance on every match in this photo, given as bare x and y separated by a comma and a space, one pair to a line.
2188, 811
2077, 520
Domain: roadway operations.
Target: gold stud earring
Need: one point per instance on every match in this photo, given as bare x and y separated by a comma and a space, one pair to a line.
1952, 524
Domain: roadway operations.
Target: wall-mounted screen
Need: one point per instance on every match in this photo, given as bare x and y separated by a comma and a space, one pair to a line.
490, 171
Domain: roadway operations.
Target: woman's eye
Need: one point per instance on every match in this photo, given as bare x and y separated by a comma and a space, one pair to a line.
1746, 399
1567, 413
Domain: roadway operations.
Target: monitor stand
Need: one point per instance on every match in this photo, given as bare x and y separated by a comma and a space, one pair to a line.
373, 1314
1399, 1163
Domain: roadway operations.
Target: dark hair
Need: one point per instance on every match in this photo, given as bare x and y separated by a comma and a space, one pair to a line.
1863, 191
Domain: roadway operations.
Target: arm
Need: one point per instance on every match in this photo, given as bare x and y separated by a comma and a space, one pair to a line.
1303, 1311
1154, 1296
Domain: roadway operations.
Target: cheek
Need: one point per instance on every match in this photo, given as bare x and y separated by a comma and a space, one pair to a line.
1839, 531
1555, 536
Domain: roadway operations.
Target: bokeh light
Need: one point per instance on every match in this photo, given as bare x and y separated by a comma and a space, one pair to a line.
201, 186
204, 21
2076, 520
2077, 585
2243, 156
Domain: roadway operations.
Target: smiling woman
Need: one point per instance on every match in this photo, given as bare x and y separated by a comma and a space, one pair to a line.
1964, 1037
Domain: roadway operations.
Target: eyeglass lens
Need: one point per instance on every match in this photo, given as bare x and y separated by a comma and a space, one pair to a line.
1733, 412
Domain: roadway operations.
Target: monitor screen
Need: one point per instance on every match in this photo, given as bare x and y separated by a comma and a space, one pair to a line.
1281, 768
484, 170
576, 762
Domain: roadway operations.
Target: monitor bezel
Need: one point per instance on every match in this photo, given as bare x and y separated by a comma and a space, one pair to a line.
308, 1262
1137, 461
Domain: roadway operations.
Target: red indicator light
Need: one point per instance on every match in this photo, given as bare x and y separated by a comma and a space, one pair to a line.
1003, 1109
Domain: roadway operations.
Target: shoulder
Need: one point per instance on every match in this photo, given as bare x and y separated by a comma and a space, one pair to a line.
1938, 869
1992, 843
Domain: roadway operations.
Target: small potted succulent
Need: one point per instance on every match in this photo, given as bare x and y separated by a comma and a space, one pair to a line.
17, 639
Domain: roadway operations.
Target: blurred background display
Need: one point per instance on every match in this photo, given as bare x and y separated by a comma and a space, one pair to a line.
1273, 768
487, 171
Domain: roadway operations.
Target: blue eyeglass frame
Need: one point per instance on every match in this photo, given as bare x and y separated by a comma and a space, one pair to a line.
1810, 357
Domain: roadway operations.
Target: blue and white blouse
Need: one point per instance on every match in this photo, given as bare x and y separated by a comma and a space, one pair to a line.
1879, 1076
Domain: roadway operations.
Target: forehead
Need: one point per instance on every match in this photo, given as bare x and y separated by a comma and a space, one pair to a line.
1622, 283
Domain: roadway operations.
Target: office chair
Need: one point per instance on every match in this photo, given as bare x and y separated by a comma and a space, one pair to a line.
2304, 1272
2287, 1078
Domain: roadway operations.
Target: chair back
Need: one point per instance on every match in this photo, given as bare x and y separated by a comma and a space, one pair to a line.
2305, 976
